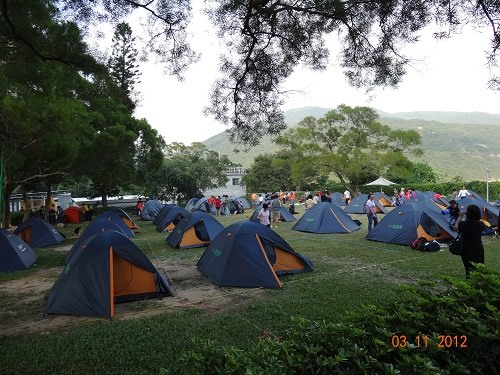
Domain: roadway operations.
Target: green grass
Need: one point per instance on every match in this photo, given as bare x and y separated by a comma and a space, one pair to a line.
349, 272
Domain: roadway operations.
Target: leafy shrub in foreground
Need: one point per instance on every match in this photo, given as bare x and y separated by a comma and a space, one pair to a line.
436, 322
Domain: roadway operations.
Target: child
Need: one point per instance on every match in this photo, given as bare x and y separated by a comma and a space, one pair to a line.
263, 216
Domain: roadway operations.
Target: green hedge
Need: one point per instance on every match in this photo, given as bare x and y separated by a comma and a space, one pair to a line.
363, 343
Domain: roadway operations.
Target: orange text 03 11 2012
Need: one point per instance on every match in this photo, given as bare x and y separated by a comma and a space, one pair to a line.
424, 341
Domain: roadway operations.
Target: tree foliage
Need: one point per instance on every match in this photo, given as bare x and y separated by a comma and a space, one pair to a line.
282, 171
189, 170
42, 116
61, 112
351, 144
123, 63
266, 40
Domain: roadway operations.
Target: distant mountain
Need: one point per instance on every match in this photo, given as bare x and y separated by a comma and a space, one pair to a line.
447, 117
455, 143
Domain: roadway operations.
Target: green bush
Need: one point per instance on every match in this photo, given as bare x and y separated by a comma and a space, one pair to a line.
362, 343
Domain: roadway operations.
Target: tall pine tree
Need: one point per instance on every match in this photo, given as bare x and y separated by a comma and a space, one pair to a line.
122, 63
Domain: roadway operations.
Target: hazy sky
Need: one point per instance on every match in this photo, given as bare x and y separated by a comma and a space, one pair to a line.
451, 75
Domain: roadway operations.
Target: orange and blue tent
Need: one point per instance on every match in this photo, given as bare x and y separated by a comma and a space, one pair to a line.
38, 233
194, 230
111, 269
410, 221
95, 227
126, 219
150, 209
15, 254
249, 254
171, 218
325, 218
111, 215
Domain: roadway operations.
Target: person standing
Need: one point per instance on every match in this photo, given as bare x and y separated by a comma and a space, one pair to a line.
347, 196
52, 214
263, 216
60, 215
275, 208
371, 213
218, 203
470, 231
255, 200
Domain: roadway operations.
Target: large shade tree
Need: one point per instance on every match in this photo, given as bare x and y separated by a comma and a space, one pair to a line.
121, 150
189, 170
267, 39
283, 170
350, 143
42, 116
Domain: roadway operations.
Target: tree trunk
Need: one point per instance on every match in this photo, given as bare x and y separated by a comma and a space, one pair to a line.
6, 206
104, 198
27, 205
48, 200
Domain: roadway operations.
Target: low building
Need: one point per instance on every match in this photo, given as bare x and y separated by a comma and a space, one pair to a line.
36, 200
233, 186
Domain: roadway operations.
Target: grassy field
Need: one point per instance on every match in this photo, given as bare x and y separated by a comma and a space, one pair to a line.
148, 335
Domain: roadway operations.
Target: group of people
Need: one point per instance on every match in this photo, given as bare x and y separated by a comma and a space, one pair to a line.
270, 212
468, 225
319, 197
402, 196
219, 204
55, 214
284, 198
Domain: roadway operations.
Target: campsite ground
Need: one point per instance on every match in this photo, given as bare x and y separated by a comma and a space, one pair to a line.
148, 335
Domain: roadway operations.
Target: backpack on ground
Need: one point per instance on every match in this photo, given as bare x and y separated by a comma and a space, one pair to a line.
417, 242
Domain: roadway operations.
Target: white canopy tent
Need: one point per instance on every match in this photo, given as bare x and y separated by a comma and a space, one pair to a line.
381, 181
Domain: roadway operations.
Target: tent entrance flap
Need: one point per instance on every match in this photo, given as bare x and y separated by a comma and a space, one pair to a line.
128, 279
190, 238
280, 284
434, 234
25, 235
286, 261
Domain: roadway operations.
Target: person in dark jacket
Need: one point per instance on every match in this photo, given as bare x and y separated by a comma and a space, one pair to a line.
470, 231
454, 211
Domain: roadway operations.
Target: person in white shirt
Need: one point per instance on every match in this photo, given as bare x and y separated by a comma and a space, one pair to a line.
263, 216
371, 213
463, 193
347, 196
309, 201
316, 199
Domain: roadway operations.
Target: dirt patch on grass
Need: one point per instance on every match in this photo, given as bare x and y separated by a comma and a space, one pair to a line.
23, 301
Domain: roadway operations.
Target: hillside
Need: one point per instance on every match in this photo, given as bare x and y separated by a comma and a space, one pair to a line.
455, 143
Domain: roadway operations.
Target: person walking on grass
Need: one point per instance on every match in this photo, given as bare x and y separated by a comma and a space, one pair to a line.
472, 246
371, 213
